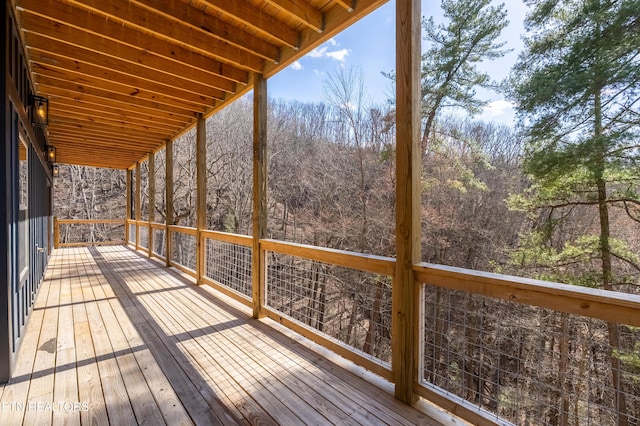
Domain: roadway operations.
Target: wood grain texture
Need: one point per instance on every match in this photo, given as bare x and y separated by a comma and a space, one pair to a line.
147, 346
259, 214
404, 335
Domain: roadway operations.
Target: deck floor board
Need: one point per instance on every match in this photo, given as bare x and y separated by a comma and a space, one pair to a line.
131, 342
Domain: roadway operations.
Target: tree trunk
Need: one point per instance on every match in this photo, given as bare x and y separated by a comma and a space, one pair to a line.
605, 253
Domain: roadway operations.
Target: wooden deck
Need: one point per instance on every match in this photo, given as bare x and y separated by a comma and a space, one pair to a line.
118, 339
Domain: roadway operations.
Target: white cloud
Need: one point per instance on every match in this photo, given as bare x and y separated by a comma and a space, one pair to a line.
497, 108
338, 55
318, 52
324, 52
296, 66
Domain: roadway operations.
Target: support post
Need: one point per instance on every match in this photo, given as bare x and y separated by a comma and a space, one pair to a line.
201, 191
152, 198
56, 233
259, 216
137, 203
405, 293
168, 199
127, 213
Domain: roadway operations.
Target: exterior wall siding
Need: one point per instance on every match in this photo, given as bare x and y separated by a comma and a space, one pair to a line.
25, 234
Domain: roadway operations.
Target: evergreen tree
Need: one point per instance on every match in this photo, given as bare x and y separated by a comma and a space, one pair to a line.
453, 50
577, 87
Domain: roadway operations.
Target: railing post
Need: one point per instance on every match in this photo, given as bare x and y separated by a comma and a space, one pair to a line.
201, 191
168, 199
259, 191
405, 301
56, 233
127, 213
152, 198
137, 201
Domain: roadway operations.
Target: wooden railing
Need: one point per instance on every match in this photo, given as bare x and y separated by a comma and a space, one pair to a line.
466, 350
569, 353
101, 232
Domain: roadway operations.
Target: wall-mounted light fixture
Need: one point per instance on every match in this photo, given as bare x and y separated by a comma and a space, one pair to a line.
40, 116
51, 153
55, 171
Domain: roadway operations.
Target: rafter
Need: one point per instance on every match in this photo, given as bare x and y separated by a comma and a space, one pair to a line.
125, 72
165, 30
257, 20
197, 19
76, 26
301, 12
109, 115
136, 89
50, 86
47, 46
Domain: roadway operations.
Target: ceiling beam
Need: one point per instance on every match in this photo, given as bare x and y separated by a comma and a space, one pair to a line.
53, 86
135, 90
256, 19
88, 117
165, 73
197, 19
132, 113
301, 12
165, 30
96, 64
72, 25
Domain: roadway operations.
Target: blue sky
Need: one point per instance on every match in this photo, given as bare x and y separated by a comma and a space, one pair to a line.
370, 46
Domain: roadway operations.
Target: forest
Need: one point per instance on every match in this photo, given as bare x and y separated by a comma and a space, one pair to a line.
555, 196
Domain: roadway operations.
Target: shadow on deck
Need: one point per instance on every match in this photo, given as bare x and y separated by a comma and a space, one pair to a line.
117, 338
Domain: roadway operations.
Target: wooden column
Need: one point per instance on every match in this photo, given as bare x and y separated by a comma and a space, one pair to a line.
128, 208
201, 194
137, 203
56, 233
152, 198
168, 199
259, 216
405, 295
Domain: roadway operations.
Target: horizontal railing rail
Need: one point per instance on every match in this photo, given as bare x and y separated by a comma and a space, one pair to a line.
591, 302
87, 232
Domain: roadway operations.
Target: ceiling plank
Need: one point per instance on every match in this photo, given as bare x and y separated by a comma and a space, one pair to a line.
165, 72
97, 138
53, 86
146, 92
165, 30
70, 24
84, 116
54, 52
114, 132
69, 141
256, 19
197, 19
95, 108
109, 116
116, 79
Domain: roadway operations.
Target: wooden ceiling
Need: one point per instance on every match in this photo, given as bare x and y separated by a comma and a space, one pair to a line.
124, 76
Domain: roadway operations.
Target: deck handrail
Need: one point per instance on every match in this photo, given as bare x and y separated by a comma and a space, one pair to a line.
57, 223
606, 305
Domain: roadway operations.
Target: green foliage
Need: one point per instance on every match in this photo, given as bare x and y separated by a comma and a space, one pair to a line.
577, 87
449, 71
